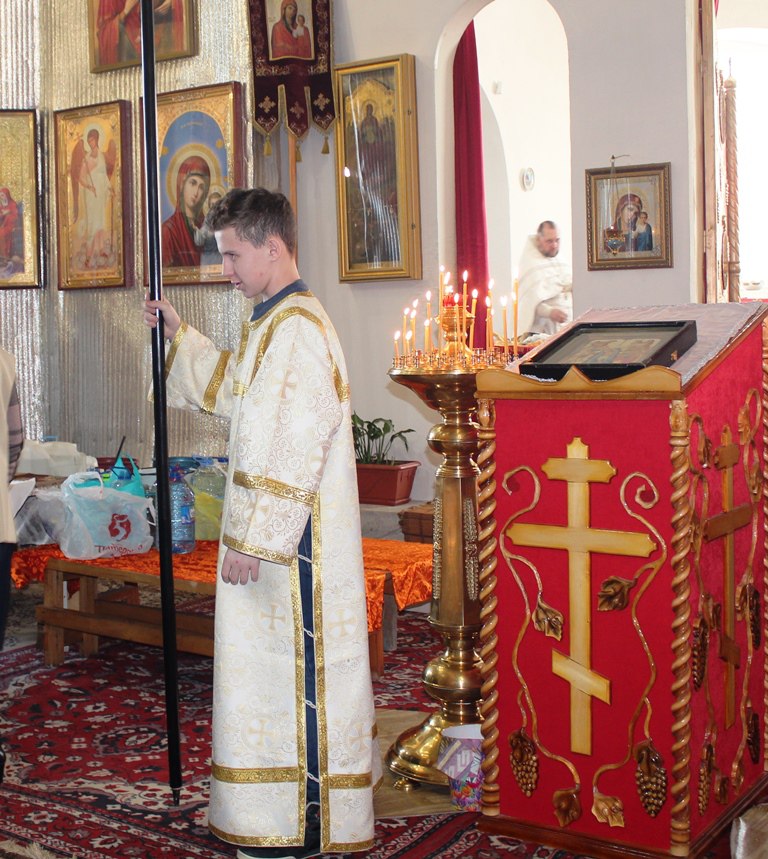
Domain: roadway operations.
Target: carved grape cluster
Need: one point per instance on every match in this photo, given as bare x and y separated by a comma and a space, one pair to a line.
524, 761
650, 777
705, 777
699, 651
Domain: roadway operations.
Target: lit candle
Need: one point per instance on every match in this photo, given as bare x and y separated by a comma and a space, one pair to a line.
427, 336
413, 326
464, 303
397, 345
504, 323
488, 338
428, 296
472, 320
406, 314
407, 349
514, 317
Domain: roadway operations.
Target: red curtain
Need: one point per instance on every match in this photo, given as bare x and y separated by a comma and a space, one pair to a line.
471, 234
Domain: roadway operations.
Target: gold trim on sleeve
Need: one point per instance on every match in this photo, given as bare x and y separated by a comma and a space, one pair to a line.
342, 389
274, 487
256, 551
174, 347
209, 398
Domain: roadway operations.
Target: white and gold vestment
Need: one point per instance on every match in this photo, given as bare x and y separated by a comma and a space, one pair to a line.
290, 455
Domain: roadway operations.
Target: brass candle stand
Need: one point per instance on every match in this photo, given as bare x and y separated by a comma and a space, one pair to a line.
445, 381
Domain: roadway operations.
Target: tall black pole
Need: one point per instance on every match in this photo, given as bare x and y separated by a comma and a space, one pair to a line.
154, 263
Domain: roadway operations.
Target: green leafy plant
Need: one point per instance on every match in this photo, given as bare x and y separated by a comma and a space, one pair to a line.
374, 439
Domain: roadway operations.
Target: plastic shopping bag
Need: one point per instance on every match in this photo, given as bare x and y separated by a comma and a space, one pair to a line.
89, 520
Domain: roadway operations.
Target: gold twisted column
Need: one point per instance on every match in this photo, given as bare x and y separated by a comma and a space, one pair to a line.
453, 678
765, 533
486, 490
680, 834
732, 184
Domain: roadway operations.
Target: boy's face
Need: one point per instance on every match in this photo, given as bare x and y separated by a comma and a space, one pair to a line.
251, 270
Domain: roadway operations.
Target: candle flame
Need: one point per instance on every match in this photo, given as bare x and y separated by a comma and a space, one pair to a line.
474, 293
503, 300
491, 284
426, 323
446, 278
465, 276
408, 335
428, 296
413, 314
487, 301
456, 298
397, 335
415, 303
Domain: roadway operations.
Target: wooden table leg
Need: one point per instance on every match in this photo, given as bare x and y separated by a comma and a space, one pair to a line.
88, 587
53, 637
376, 653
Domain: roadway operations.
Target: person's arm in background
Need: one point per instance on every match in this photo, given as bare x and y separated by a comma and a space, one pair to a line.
15, 432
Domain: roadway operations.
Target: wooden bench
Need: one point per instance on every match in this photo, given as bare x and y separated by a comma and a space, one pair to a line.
118, 613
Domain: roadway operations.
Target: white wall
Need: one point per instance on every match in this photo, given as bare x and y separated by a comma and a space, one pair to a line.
526, 123
611, 112
743, 55
631, 73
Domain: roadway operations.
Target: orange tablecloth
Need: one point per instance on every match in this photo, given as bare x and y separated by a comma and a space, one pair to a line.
410, 565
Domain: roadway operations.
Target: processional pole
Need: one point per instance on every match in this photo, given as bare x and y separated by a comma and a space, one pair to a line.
154, 263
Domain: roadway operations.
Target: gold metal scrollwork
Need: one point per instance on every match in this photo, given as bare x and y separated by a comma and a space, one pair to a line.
437, 528
471, 569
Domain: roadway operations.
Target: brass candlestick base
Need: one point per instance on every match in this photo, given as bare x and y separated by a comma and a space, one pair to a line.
453, 678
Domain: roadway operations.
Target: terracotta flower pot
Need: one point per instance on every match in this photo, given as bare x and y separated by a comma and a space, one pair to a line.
386, 484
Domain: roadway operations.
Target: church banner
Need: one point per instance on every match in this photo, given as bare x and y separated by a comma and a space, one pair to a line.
291, 49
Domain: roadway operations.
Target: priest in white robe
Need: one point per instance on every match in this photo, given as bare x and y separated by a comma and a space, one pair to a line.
545, 299
293, 714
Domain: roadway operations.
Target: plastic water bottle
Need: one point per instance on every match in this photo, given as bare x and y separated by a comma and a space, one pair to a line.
182, 513
208, 483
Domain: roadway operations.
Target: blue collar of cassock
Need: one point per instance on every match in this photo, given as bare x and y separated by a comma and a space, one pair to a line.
262, 309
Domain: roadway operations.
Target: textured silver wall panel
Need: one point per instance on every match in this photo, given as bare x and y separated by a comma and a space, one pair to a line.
84, 355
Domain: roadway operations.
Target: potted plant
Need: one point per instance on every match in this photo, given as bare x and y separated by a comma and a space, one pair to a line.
381, 479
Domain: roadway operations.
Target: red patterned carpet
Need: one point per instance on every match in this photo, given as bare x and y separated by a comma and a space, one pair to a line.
86, 772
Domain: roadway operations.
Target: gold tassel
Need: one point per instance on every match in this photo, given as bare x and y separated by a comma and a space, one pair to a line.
267, 146
325, 150
298, 154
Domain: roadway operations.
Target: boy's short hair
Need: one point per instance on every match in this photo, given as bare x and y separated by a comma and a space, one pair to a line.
255, 214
